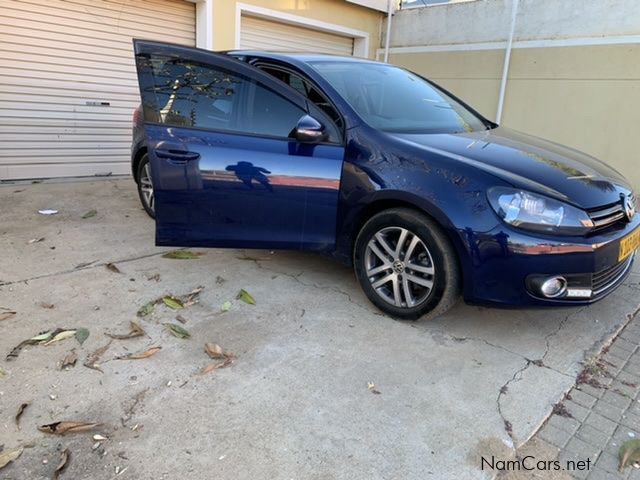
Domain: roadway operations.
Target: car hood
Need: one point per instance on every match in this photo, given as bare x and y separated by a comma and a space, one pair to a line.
530, 163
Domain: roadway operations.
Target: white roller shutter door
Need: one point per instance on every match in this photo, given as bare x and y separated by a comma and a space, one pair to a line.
68, 84
264, 34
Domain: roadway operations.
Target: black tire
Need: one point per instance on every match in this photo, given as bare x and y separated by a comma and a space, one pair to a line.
435, 253
143, 174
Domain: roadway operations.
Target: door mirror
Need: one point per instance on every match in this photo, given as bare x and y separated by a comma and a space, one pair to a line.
310, 130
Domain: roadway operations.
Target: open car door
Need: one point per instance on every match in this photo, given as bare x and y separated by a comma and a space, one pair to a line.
235, 155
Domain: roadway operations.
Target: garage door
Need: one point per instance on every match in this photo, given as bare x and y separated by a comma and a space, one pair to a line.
67, 81
262, 34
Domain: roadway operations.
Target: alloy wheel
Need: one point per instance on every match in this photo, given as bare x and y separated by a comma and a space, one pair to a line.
399, 267
146, 186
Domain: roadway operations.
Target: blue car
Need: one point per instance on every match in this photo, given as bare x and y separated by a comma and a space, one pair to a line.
380, 168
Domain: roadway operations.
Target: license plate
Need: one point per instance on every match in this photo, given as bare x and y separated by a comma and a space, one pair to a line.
629, 245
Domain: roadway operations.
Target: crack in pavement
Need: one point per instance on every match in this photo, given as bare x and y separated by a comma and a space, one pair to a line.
296, 277
80, 269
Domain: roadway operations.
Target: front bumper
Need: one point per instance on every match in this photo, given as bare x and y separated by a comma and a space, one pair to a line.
502, 262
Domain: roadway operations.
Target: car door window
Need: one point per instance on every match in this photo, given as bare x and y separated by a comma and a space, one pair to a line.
189, 94
298, 83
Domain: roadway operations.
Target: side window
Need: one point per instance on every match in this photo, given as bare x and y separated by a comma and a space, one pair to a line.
189, 94
298, 83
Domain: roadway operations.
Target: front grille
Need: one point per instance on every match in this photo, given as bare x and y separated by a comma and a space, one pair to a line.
602, 280
607, 216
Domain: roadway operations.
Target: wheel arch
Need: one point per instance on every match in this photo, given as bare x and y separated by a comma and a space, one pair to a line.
135, 163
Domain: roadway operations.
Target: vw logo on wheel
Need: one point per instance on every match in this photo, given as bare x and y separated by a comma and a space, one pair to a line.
629, 208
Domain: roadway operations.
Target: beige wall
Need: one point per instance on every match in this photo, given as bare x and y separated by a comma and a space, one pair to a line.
336, 12
587, 97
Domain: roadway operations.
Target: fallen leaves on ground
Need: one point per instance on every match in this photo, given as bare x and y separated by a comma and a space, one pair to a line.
81, 335
245, 297
134, 331
372, 388
177, 331
155, 277
62, 464
216, 366
146, 309
21, 410
35, 240
181, 319
226, 306
93, 358
48, 211
90, 213
172, 302
10, 456
216, 352
63, 334
140, 355
46, 305
191, 298
629, 453
62, 428
70, 360
7, 315
44, 338
182, 255
113, 267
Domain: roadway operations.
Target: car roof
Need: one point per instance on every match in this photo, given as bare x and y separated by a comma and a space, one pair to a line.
295, 57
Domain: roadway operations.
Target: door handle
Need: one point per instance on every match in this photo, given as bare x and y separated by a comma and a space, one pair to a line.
182, 155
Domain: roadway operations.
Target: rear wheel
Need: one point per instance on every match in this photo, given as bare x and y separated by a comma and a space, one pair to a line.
145, 186
406, 265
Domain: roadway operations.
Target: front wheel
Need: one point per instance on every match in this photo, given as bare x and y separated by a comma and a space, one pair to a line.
406, 265
145, 186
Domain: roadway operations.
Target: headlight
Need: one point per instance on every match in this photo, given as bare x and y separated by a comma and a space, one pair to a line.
531, 211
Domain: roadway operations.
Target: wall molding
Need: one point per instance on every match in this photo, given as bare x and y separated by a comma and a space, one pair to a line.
547, 43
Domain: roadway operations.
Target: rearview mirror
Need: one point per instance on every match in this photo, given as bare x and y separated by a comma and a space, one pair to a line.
310, 130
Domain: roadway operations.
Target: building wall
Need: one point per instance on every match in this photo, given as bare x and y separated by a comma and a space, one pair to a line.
574, 75
336, 12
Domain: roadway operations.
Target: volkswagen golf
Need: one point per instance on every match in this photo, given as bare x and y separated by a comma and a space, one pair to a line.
380, 168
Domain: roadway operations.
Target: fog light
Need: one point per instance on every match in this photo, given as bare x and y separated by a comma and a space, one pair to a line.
553, 287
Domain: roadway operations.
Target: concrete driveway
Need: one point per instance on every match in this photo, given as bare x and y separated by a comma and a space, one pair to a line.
296, 401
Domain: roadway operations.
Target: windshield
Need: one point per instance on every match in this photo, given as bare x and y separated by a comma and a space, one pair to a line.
395, 100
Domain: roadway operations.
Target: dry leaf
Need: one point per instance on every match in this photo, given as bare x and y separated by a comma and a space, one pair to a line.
38, 339
181, 319
214, 350
35, 240
216, 366
70, 360
62, 428
6, 315
62, 464
155, 277
10, 456
135, 331
46, 305
21, 410
63, 335
113, 268
92, 359
90, 213
140, 355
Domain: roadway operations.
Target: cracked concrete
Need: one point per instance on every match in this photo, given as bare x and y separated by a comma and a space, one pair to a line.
295, 402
